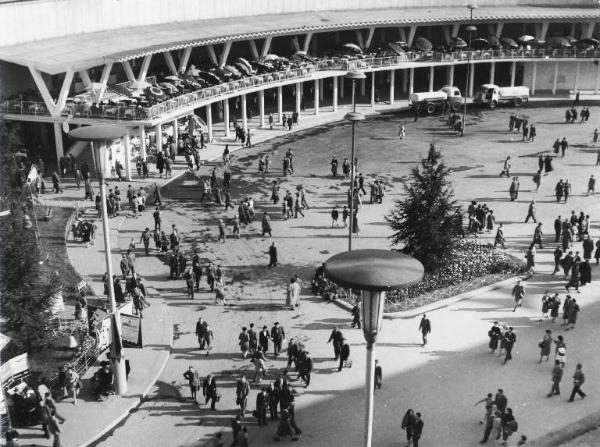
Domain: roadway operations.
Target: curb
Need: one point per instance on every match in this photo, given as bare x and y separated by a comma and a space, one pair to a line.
558, 437
406, 314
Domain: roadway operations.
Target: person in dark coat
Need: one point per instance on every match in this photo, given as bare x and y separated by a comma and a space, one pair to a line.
262, 402
510, 339
277, 335
209, 391
495, 333
378, 375
573, 311
408, 424
241, 392
588, 247
272, 252
425, 328
585, 272
266, 225
344, 354
263, 339
338, 340
417, 430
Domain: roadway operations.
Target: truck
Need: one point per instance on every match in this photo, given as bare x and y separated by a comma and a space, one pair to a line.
429, 103
492, 95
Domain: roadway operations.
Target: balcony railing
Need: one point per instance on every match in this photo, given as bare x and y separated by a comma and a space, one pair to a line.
138, 112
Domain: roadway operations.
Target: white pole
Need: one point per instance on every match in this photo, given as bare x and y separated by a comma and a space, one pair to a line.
226, 116
279, 104
335, 93
261, 108
392, 85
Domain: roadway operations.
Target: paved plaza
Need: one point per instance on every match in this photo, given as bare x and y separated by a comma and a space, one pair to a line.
443, 380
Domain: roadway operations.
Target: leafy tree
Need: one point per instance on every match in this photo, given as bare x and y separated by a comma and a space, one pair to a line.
25, 294
427, 220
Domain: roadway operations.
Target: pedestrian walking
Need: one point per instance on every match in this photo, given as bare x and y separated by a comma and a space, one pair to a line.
417, 430
531, 212
241, 392
510, 339
344, 355
425, 328
494, 334
556, 374
272, 252
408, 424
545, 345
578, 381
337, 338
191, 375
518, 293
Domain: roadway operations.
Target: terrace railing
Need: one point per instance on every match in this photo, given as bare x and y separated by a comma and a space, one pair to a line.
139, 112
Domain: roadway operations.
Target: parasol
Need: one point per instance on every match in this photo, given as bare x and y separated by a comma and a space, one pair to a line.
480, 43
352, 47
173, 78
271, 57
508, 42
398, 47
590, 41
558, 42
209, 77
457, 42
423, 44
234, 71
526, 38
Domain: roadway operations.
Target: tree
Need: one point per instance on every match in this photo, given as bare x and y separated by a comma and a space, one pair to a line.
427, 220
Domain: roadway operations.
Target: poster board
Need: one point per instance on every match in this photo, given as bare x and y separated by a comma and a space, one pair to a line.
131, 330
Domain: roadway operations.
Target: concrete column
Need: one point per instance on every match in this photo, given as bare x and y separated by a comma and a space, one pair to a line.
555, 78
209, 123
534, 75
342, 87
450, 75
363, 87
321, 89
335, 92
513, 72
597, 85
492, 72
261, 108
142, 132
411, 82
279, 104
158, 136
127, 148
317, 96
298, 97
372, 89
244, 113
431, 75
58, 141
471, 79
576, 83
175, 131
226, 117
392, 86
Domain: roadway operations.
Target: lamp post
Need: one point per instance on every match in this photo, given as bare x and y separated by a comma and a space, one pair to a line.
353, 117
470, 29
99, 136
373, 272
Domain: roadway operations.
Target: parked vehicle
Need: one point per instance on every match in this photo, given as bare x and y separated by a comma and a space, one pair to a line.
492, 95
432, 102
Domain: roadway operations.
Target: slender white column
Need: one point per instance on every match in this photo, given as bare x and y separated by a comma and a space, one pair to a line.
492, 72
127, 147
555, 78
244, 113
335, 93
317, 96
372, 89
450, 75
411, 81
142, 132
431, 75
597, 86
513, 72
298, 97
58, 141
158, 136
226, 117
279, 104
392, 85
534, 76
209, 123
175, 131
261, 108
342, 87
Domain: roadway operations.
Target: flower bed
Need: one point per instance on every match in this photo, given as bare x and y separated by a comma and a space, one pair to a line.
468, 266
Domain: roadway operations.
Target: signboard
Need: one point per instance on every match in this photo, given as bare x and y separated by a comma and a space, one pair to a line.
131, 330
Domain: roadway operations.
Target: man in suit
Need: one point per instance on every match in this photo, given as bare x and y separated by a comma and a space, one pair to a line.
197, 269
425, 328
417, 430
557, 228
262, 400
241, 392
277, 335
193, 380
263, 339
344, 354
337, 337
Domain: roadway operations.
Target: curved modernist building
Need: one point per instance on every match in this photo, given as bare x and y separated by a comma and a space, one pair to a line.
151, 63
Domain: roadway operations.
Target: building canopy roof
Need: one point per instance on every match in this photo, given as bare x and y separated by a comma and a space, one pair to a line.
83, 51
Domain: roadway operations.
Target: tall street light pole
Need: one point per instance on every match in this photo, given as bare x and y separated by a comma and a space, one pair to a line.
99, 136
373, 272
353, 117
470, 29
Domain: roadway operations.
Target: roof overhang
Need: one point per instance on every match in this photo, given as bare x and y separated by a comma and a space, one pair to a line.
83, 51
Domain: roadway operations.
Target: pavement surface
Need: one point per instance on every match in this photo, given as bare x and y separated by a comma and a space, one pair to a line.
442, 380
